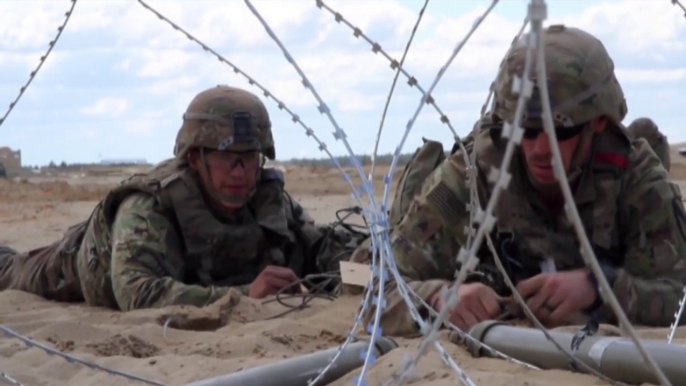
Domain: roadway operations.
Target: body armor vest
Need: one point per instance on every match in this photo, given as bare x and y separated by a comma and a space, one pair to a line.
223, 250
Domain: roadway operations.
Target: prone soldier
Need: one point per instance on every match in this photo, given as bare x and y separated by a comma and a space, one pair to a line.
209, 222
633, 215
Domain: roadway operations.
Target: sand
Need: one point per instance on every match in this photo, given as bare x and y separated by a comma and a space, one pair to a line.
207, 342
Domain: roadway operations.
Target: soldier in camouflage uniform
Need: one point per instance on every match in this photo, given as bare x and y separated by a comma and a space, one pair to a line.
210, 221
633, 215
647, 129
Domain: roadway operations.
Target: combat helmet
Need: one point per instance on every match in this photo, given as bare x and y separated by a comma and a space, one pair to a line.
580, 78
225, 118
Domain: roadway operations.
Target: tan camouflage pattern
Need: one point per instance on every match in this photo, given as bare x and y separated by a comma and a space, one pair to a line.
209, 123
154, 242
647, 129
581, 80
637, 211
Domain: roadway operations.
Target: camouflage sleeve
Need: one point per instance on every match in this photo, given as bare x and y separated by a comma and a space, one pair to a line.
426, 242
146, 262
653, 228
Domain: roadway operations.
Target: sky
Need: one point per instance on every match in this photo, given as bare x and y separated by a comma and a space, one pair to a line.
117, 82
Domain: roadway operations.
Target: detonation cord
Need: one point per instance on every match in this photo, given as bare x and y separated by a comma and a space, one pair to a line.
318, 283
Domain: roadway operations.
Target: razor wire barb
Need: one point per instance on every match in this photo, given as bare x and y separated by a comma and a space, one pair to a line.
32, 75
677, 318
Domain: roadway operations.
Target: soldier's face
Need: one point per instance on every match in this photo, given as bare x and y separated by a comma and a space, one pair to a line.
538, 154
232, 173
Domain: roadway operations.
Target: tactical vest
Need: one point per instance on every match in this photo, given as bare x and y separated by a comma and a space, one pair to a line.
217, 250
539, 237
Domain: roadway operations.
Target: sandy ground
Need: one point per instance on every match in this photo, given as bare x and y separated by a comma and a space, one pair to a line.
36, 212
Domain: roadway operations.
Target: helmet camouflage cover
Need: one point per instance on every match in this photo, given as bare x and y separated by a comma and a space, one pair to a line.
225, 118
580, 78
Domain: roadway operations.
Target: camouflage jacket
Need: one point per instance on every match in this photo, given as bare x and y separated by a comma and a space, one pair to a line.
153, 241
633, 215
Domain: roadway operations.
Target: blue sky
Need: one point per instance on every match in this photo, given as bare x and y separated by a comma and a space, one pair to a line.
118, 80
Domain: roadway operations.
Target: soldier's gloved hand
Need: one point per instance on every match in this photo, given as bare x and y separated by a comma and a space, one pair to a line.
556, 297
478, 302
273, 279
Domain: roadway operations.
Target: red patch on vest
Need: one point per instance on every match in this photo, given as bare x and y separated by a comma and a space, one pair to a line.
612, 159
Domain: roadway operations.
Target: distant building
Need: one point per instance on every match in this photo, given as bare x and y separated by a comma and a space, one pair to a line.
10, 159
124, 161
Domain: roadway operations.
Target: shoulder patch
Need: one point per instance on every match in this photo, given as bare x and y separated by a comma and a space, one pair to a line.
614, 159
272, 174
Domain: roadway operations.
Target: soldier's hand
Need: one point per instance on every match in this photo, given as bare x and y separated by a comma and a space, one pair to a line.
555, 297
478, 302
273, 279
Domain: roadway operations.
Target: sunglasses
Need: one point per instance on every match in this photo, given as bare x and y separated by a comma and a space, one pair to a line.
562, 133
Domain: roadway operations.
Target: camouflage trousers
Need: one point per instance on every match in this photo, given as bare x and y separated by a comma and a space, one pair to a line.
49, 272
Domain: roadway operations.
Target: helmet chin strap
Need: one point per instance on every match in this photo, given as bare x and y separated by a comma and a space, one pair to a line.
575, 168
217, 195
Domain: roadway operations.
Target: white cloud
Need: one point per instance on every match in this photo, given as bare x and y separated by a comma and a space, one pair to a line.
163, 63
639, 28
107, 107
627, 76
140, 127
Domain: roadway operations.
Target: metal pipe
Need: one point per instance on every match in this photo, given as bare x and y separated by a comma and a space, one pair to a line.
298, 371
615, 357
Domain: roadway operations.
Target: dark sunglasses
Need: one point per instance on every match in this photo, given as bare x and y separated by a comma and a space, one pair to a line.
562, 133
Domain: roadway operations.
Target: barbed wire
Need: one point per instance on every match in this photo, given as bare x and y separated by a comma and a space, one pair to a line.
32, 75
395, 64
677, 318
395, 80
430, 334
378, 223
412, 82
678, 4
5, 378
73, 359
